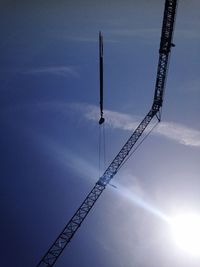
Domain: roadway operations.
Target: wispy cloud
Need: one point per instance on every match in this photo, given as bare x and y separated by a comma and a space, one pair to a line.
81, 37
188, 34
68, 159
147, 35
174, 131
63, 71
152, 32
190, 86
95, 39
179, 133
63, 156
171, 130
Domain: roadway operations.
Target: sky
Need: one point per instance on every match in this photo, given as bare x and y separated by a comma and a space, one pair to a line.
49, 87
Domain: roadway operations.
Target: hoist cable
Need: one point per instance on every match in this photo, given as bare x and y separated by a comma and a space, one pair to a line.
139, 144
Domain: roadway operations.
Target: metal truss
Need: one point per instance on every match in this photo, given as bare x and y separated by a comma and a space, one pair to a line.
68, 232
75, 222
164, 51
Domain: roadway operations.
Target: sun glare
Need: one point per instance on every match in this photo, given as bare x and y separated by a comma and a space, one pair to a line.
186, 232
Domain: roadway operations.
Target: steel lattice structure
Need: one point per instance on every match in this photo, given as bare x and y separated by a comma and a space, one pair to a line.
75, 222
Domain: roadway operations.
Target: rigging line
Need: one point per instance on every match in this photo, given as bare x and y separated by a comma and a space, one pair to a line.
99, 150
139, 144
102, 149
104, 146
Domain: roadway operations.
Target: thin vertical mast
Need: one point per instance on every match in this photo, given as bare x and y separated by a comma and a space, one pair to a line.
101, 76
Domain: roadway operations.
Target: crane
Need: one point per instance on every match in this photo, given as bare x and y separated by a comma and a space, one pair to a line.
53, 253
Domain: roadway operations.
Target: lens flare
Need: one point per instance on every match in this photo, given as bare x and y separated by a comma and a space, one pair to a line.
186, 232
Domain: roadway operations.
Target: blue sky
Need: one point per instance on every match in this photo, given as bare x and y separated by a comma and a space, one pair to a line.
49, 130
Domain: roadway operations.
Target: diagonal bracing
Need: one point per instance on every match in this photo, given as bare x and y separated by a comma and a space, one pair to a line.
75, 222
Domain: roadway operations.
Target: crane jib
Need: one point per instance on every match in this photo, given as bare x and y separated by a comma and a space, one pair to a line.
165, 48
75, 222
